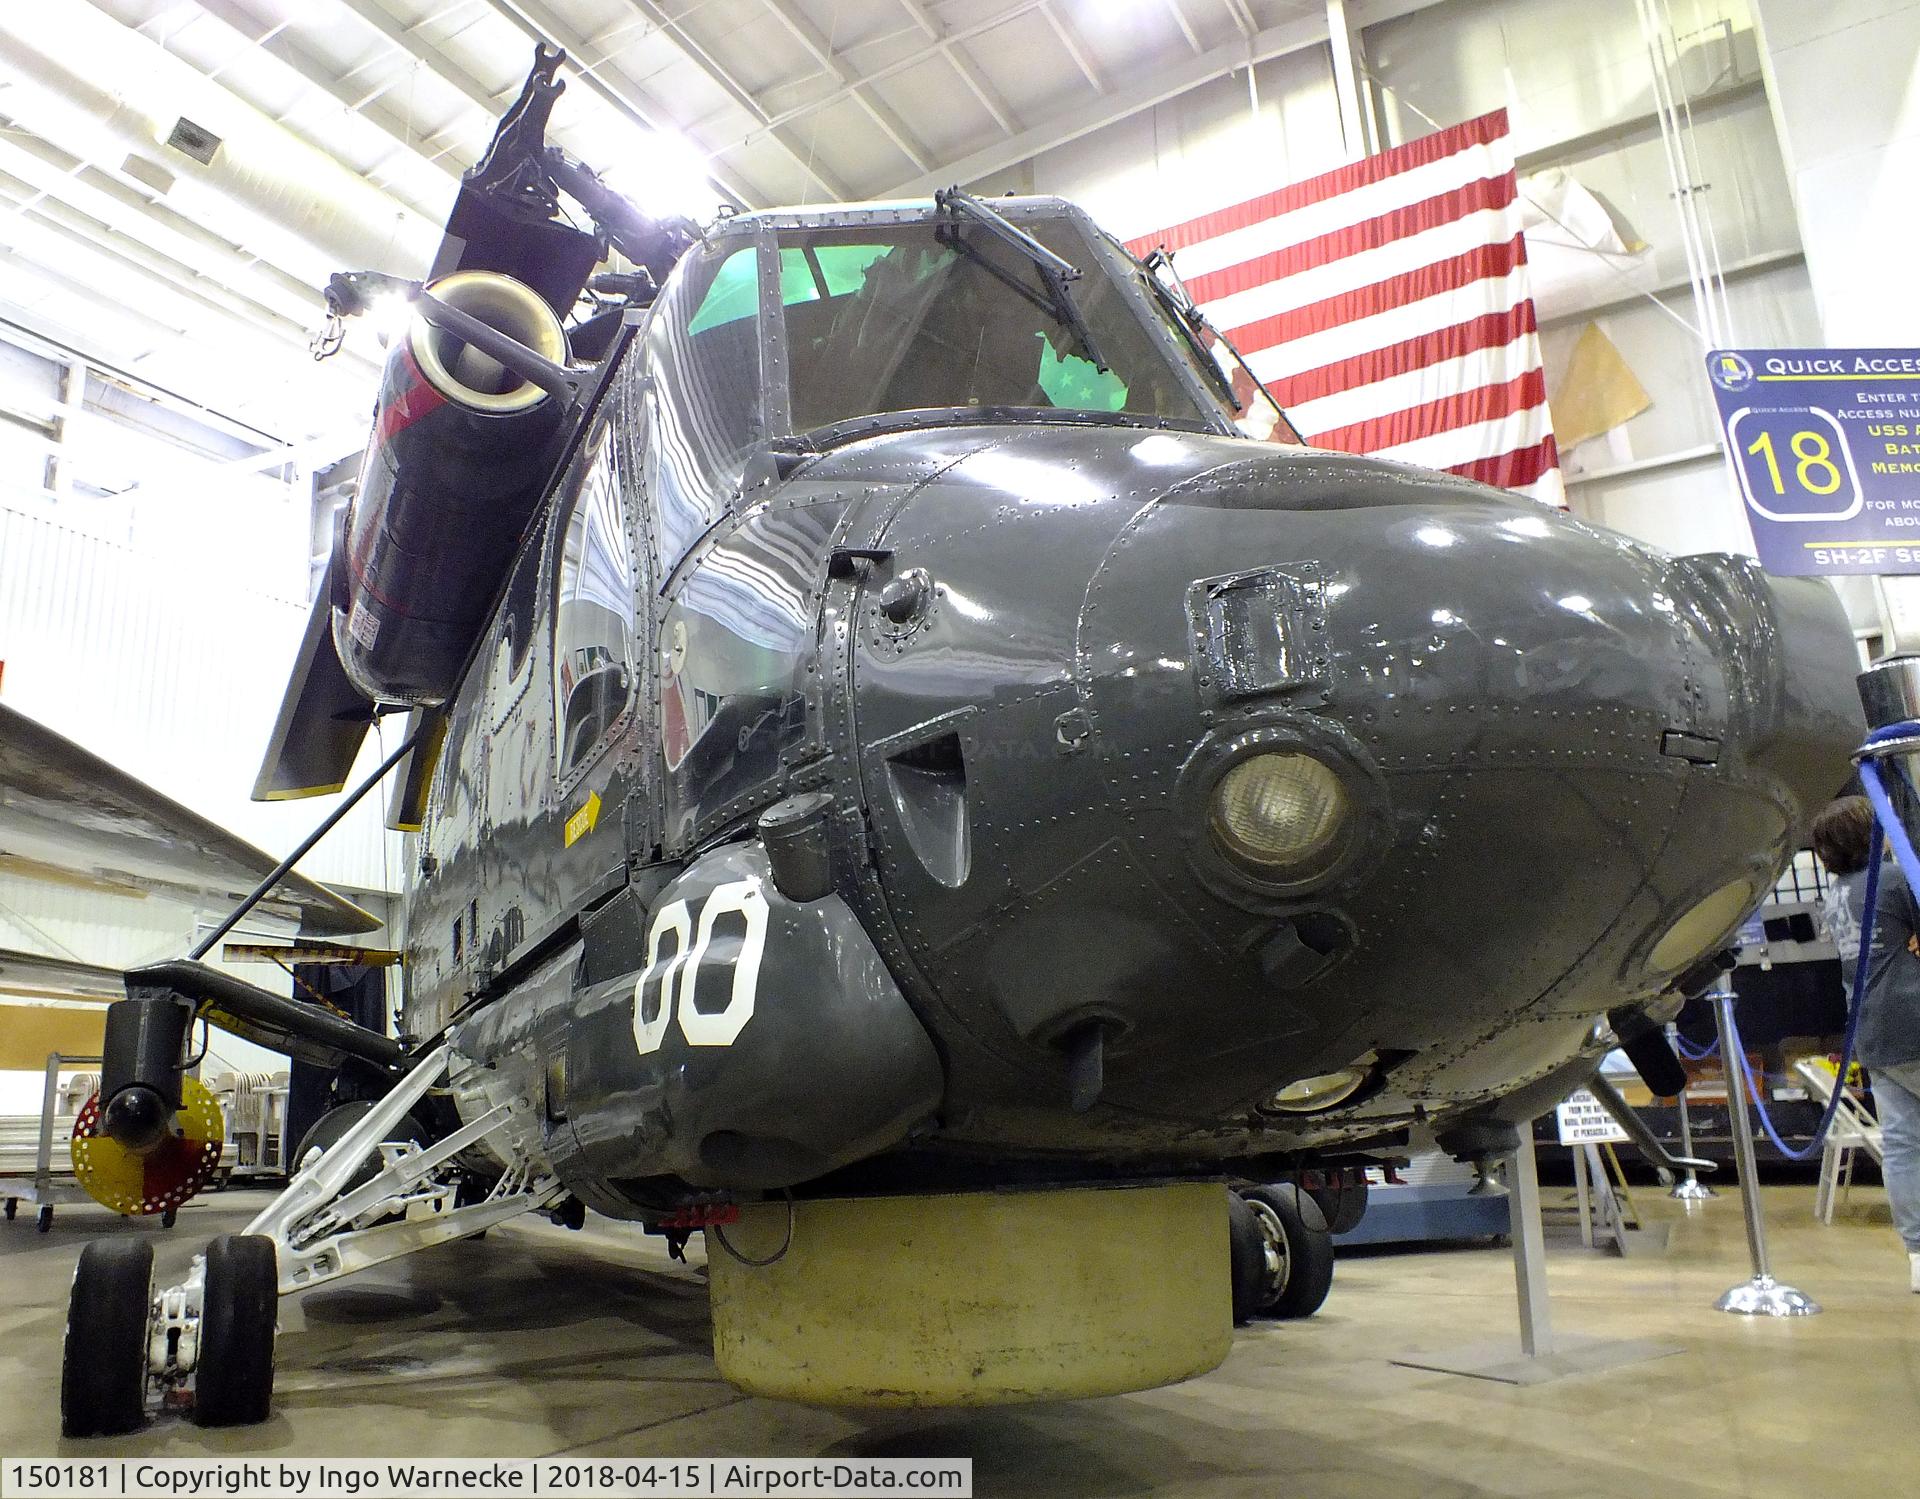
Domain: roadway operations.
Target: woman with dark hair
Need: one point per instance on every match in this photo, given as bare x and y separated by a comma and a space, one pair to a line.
1842, 835
1889, 1035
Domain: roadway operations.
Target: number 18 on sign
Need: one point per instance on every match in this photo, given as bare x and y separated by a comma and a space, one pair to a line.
1826, 447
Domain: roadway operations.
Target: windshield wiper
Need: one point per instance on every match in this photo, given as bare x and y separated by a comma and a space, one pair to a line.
1194, 323
1055, 273
1191, 322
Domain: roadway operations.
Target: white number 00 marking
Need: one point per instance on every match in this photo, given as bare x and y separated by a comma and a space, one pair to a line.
668, 983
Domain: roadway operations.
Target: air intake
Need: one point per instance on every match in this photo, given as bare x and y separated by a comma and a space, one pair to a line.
461, 372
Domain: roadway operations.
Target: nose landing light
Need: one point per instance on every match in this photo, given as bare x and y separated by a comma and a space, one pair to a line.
1309, 1095
1278, 812
1704, 924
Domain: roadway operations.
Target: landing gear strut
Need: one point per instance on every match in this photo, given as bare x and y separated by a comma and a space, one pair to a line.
211, 1337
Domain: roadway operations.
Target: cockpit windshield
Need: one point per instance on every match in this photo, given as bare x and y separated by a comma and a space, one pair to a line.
938, 315
942, 314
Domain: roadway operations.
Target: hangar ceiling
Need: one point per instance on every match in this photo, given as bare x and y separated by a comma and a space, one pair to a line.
335, 132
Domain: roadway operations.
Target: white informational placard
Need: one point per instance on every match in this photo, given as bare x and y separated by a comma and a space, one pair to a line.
1582, 1121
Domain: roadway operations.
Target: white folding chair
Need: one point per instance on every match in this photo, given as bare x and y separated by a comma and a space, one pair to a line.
1854, 1129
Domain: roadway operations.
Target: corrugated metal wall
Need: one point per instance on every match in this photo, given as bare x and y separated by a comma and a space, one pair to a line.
152, 597
169, 661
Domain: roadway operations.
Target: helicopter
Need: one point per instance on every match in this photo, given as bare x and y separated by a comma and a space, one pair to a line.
918, 775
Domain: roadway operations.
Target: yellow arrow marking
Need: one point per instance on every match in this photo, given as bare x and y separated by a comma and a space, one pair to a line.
584, 821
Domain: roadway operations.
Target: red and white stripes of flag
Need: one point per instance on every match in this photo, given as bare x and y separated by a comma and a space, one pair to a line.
1385, 305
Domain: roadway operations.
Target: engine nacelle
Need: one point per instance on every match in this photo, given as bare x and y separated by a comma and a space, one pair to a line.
453, 472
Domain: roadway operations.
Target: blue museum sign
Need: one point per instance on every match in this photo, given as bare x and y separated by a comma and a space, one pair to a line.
1826, 447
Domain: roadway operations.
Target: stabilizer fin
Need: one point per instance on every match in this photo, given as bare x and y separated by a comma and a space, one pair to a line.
408, 809
323, 720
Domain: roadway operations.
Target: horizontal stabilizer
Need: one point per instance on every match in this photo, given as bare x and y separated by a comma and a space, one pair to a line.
304, 1031
322, 721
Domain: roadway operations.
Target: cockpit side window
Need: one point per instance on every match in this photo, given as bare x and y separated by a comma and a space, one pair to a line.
594, 633
704, 393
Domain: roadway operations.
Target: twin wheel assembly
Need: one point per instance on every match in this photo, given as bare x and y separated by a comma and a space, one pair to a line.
369, 1189
112, 1329
1282, 1252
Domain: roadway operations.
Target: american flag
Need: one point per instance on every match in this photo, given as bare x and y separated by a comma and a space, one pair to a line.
1385, 306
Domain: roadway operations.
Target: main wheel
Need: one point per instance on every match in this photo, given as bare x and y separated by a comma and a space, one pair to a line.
1244, 1258
233, 1380
13, 1206
1343, 1206
330, 1126
1297, 1250
103, 1368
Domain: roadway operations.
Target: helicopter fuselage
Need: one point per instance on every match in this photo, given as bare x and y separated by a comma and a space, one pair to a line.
891, 813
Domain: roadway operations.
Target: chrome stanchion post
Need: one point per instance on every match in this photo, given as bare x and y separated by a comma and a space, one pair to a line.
1890, 694
1689, 1188
1762, 1296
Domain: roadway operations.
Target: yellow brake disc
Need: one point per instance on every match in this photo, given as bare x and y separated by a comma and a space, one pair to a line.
167, 1176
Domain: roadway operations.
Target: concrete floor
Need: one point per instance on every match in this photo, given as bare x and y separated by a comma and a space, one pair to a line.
537, 1341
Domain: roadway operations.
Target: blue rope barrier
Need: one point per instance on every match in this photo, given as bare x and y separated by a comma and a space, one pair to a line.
1688, 1054
1759, 1103
1887, 828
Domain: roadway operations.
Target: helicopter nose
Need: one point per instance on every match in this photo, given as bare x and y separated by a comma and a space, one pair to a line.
1297, 765
1438, 741
1341, 674
1332, 645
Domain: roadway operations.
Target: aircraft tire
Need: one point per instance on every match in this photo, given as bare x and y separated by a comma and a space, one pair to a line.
329, 1127
1244, 1259
233, 1383
1307, 1243
337, 1120
1343, 1207
103, 1367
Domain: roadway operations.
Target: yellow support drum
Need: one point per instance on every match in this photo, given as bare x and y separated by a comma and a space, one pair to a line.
976, 1298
